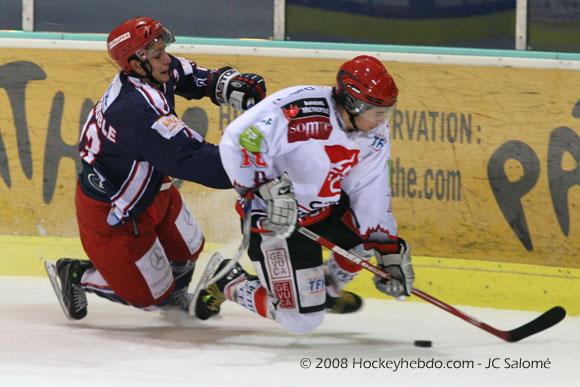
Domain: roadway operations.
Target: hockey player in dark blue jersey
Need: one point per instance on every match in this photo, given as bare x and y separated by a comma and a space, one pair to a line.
141, 239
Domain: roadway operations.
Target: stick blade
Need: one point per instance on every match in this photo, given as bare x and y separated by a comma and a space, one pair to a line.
540, 323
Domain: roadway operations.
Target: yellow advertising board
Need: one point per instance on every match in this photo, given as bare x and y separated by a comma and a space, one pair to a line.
485, 159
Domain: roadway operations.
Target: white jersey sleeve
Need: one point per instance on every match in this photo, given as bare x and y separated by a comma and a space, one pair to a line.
368, 186
251, 143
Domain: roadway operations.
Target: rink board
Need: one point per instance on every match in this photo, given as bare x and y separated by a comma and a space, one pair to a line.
459, 133
455, 281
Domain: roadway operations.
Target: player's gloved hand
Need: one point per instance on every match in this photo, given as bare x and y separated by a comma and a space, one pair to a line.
395, 259
282, 206
241, 91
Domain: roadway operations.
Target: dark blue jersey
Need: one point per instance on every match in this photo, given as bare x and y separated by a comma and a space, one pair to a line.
133, 140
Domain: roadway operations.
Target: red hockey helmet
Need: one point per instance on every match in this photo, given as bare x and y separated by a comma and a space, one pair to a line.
363, 83
132, 38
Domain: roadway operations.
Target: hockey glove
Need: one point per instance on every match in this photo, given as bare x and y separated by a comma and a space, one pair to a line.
241, 91
395, 259
282, 207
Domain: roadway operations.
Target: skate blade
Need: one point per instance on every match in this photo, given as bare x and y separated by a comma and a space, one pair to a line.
207, 274
50, 268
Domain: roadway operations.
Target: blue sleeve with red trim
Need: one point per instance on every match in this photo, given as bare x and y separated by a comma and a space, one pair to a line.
172, 147
184, 157
191, 81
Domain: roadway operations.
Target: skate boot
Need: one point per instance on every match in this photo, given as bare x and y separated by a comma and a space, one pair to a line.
339, 301
65, 277
209, 300
346, 302
180, 299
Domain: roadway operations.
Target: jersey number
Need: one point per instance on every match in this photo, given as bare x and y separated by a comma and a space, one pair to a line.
92, 143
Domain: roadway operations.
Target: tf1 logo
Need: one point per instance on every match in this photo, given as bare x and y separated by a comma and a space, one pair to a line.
509, 194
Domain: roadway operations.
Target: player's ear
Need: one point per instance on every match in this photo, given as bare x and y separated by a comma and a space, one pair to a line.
136, 67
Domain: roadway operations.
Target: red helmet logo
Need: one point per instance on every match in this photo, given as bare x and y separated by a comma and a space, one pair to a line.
132, 37
365, 79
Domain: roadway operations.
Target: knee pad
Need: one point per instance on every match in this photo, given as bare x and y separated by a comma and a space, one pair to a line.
299, 323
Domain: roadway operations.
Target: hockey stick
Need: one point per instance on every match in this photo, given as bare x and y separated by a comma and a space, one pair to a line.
246, 230
540, 323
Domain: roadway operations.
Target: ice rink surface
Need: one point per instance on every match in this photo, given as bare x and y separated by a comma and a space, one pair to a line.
121, 346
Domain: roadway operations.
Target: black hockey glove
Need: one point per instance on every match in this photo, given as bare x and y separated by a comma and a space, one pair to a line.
241, 91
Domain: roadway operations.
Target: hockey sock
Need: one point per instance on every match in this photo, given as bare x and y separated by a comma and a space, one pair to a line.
251, 295
339, 272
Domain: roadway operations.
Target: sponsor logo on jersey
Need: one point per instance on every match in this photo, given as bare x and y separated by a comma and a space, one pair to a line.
168, 126
290, 111
96, 182
343, 160
311, 286
308, 118
283, 292
316, 284
278, 266
251, 139
251, 142
303, 129
315, 102
379, 142
157, 258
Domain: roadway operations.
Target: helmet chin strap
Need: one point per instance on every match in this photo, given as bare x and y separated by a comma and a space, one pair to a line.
352, 117
146, 66
353, 121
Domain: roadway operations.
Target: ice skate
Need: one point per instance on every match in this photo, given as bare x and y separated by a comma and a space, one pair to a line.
338, 300
180, 300
65, 277
346, 302
209, 299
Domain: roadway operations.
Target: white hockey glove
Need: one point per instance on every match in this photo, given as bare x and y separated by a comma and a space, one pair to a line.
282, 207
240, 91
395, 259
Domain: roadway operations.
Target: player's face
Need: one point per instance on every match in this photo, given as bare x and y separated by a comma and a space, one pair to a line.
159, 60
371, 118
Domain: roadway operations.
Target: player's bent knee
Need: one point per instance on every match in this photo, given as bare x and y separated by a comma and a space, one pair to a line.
300, 323
143, 299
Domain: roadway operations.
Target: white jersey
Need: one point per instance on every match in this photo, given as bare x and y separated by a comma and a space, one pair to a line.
298, 131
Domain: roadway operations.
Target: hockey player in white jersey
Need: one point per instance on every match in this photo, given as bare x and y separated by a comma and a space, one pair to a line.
315, 157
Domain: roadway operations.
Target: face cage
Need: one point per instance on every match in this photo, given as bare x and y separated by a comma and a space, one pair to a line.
359, 108
356, 106
150, 50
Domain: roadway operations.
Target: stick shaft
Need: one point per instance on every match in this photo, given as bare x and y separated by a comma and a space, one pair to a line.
544, 321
